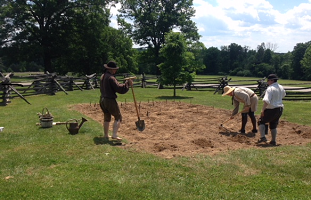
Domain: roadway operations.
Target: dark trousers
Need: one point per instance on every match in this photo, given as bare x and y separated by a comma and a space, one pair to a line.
271, 116
244, 120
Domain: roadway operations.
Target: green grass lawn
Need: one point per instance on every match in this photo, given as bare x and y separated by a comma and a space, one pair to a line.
38, 163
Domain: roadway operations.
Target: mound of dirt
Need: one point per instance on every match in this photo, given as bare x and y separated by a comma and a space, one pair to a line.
181, 129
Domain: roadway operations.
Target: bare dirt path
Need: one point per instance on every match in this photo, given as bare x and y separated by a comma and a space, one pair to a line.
181, 129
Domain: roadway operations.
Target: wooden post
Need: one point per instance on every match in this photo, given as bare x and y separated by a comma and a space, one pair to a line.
87, 83
6, 91
223, 83
143, 80
70, 84
6, 88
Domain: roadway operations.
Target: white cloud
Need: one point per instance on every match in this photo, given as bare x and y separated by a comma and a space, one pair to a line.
301, 16
249, 23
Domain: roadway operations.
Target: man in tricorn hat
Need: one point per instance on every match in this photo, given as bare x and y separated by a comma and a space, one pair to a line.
272, 108
109, 86
249, 99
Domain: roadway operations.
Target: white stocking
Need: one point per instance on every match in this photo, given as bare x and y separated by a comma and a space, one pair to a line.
273, 134
262, 129
116, 126
106, 129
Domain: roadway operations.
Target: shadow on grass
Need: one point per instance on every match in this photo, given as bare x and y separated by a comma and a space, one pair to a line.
228, 133
102, 140
173, 98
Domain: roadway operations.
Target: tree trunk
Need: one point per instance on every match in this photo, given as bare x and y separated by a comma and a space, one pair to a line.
174, 90
157, 60
47, 60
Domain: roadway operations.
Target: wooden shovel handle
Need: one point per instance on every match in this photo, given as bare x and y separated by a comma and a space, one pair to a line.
133, 77
135, 101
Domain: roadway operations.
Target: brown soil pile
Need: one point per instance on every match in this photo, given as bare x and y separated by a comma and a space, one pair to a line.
180, 129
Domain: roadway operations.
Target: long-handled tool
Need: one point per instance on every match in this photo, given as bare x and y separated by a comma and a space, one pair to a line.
225, 122
54, 123
229, 119
140, 124
221, 125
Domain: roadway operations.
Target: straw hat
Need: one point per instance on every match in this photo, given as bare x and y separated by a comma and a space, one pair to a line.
111, 65
227, 90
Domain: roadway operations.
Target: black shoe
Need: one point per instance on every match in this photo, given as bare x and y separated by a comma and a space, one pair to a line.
263, 139
254, 131
272, 143
242, 131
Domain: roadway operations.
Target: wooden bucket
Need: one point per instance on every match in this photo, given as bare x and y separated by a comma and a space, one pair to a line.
46, 120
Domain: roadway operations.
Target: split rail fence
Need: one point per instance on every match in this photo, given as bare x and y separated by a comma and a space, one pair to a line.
50, 84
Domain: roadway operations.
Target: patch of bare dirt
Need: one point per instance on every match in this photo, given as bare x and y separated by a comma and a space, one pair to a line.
181, 129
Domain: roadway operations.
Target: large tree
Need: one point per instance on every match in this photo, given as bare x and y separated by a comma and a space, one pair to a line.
177, 60
147, 22
47, 25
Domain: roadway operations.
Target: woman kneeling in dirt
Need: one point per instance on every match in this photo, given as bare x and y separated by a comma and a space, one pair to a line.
250, 100
109, 86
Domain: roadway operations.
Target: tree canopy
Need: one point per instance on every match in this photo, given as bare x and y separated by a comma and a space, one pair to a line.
147, 22
306, 64
297, 55
64, 35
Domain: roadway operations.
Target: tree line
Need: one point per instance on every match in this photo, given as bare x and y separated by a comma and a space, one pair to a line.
242, 61
75, 36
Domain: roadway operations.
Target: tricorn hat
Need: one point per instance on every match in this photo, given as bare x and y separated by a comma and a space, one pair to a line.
111, 65
272, 77
227, 90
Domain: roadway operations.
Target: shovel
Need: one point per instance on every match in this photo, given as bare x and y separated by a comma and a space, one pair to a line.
140, 124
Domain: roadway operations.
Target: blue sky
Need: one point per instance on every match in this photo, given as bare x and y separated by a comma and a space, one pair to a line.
279, 23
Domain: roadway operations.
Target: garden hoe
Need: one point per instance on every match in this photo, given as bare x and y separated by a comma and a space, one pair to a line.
224, 122
140, 124
221, 125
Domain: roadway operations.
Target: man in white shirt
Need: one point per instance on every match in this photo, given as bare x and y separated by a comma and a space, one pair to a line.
272, 109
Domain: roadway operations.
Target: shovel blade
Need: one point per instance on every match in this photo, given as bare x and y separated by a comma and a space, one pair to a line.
140, 124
